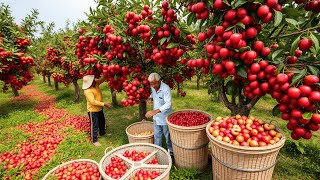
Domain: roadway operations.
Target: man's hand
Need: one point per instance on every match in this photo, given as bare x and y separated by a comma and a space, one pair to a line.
149, 114
107, 105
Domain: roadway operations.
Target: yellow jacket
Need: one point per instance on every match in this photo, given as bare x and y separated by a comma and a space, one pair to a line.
94, 97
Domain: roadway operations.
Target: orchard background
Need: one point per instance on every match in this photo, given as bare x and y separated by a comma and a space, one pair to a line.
223, 57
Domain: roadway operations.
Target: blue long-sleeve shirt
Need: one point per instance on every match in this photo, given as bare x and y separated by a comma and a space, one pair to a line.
161, 101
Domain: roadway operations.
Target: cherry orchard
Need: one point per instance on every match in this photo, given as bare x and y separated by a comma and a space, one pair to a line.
126, 45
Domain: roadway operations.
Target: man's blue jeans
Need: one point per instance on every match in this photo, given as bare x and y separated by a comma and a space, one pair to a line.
158, 131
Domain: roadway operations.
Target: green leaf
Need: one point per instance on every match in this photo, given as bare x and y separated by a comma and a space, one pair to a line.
162, 40
240, 24
277, 18
315, 41
294, 45
314, 70
242, 49
229, 28
241, 71
190, 18
315, 22
201, 24
226, 2
217, 18
300, 148
86, 67
297, 77
280, 67
275, 110
291, 21
307, 115
172, 45
237, 3
276, 54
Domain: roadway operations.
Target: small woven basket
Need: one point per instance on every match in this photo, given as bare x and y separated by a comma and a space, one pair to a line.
47, 176
140, 127
230, 162
158, 152
190, 144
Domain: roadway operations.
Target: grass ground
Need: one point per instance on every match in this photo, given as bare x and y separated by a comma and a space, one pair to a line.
297, 159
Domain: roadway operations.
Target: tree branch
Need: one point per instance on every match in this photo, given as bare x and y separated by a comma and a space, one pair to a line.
222, 94
281, 30
294, 33
253, 102
240, 103
274, 29
233, 100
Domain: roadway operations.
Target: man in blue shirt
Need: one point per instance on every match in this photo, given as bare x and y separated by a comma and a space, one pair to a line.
161, 97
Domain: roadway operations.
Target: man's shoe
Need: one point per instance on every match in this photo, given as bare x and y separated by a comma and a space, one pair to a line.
96, 144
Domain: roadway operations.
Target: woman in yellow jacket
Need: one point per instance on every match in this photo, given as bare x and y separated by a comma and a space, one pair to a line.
95, 106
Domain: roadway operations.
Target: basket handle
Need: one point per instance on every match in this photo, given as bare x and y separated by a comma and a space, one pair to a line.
107, 149
276, 122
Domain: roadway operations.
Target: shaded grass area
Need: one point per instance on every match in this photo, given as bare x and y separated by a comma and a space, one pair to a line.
297, 159
7, 106
19, 117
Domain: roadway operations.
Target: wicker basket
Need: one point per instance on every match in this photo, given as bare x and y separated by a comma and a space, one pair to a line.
190, 144
47, 176
140, 127
231, 162
158, 152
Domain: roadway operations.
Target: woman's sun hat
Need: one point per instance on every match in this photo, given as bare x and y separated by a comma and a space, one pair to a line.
87, 81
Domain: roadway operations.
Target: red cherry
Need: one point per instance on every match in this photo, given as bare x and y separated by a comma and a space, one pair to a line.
305, 44
263, 11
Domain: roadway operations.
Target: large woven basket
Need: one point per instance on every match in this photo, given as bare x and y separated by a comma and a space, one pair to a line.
231, 162
47, 176
190, 144
158, 152
140, 127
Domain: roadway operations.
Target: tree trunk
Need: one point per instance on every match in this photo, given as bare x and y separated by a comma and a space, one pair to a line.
178, 90
44, 78
56, 85
49, 79
114, 98
142, 109
242, 107
15, 92
198, 81
77, 91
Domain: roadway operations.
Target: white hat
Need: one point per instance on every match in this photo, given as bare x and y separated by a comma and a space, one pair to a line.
87, 81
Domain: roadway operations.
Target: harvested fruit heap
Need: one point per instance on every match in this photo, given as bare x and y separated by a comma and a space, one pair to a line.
145, 175
189, 118
135, 155
154, 161
117, 167
145, 133
78, 170
244, 131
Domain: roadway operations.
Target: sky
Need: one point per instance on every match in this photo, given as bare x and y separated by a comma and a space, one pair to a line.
57, 11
